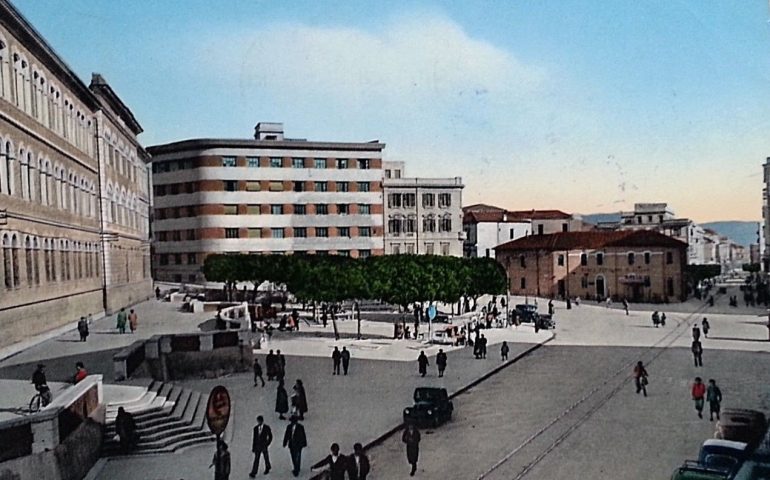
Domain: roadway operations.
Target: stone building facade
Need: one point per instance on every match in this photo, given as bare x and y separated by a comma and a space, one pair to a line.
269, 194
53, 175
640, 265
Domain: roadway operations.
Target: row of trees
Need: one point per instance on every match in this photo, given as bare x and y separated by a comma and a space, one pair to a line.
396, 279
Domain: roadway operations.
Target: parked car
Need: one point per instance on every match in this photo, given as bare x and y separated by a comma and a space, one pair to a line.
692, 470
526, 313
741, 425
431, 407
726, 455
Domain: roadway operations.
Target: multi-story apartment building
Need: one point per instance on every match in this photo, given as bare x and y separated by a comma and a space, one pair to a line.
423, 215
63, 146
269, 194
637, 265
487, 226
765, 246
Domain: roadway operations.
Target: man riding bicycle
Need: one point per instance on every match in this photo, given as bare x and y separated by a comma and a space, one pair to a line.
41, 385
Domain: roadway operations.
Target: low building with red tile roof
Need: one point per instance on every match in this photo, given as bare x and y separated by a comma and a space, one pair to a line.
637, 265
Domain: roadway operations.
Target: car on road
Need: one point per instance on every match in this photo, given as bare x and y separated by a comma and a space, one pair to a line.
741, 425
529, 314
432, 406
726, 455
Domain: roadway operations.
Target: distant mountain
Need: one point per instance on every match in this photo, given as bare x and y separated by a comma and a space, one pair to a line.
595, 218
742, 233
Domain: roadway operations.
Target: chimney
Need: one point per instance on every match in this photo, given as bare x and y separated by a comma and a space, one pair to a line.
268, 131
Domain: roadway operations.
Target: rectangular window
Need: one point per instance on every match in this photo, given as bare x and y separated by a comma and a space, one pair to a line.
342, 163
522, 261
560, 260
231, 185
395, 248
647, 258
343, 186
164, 259
276, 209
428, 200
174, 189
445, 249
253, 186
584, 281
192, 259
600, 259
321, 209
363, 186
255, 233
387, 173
299, 209
276, 232
276, 162
363, 164
253, 210
321, 232
583, 259
231, 209
276, 187
176, 235
231, 233
300, 232
429, 249
523, 283
669, 258
631, 259
299, 186
321, 186
445, 224
409, 200
252, 162
410, 224
409, 248
444, 200
343, 209
364, 231
298, 162
670, 286
343, 232
190, 235
511, 234
540, 229
564, 227
394, 200
364, 253
364, 209
319, 163
228, 161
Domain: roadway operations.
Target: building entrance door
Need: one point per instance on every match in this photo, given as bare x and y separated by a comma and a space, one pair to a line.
562, 291
600, 292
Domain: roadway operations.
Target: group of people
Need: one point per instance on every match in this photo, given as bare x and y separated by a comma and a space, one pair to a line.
697, 347
275, 364
123, 319
340, 357
658, 319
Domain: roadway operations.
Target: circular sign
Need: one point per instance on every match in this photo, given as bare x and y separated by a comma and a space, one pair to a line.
432, 312
218, 410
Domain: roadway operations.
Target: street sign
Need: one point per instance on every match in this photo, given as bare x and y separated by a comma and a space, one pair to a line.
218, 410
432, 312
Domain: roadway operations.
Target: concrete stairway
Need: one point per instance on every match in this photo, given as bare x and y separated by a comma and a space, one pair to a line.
168, 418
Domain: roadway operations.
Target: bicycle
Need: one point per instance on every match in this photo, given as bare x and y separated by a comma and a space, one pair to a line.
41, 399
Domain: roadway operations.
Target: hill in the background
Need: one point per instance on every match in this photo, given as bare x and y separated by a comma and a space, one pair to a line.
742, 233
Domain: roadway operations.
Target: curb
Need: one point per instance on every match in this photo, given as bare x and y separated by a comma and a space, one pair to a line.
381, 438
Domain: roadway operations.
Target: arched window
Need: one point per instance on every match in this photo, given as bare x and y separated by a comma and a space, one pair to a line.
46, 261
65, 258
5, 167
15, 260
7, 262
97, 260
446, 223
429, 223
33, 94
28, 259
36, 261
52, 245
42, 181
3, 73
31, 178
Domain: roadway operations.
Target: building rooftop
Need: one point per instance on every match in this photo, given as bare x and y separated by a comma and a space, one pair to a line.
505, 216
592, 240
414, 182
288, 144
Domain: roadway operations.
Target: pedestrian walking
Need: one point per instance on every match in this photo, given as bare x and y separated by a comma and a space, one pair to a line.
83, 329
157, 293
335, 462
483, 346
133, 320
358, 463
714, 397
550, 307
697, 353
422, 364
336, 359
411, 437
258, 372
295, 440
706, 327
280, 364
655, 318
302, 398
221, 462
625, 305
663, 319
345, 355
504, 351
125, 428
270, 365
281, 401
260, 442
295, 317
695, 332
640, 378
698, 394
441, 360
121, 320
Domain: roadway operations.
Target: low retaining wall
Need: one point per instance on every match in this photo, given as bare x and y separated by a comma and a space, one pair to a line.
62, 441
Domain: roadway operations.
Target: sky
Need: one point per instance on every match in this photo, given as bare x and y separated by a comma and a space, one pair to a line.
581, 106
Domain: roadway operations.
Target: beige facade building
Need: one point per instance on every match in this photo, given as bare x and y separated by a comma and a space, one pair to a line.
640, 265
68, 159
422, 215
268, 194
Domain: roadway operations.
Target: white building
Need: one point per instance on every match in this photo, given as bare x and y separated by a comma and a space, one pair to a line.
423, 215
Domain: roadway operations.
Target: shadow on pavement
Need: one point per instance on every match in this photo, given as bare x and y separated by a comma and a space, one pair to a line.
738, 339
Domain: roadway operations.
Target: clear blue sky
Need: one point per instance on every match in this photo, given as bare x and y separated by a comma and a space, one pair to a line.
583, 106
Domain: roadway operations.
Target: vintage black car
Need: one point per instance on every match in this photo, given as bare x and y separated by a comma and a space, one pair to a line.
431, 407
529, 314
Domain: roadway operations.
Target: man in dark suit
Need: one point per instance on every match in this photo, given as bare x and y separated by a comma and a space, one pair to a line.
336, 463
358, 463
295, 440
263, 436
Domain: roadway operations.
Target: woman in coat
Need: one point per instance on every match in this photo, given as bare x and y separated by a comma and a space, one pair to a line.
281, 401
301, 399
411, 438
